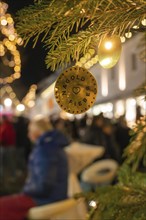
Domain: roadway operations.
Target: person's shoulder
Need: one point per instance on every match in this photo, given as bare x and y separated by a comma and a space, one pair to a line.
55, 133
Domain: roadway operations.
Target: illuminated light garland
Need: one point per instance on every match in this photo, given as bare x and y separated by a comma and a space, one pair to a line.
123, 39
20, 107
91, 58
88, 61
29, 99
143, 22
9, 43
128, 35
8, 89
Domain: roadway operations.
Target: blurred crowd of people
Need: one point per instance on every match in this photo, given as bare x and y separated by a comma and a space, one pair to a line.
47, 170
98, 131
14, 133
15, 148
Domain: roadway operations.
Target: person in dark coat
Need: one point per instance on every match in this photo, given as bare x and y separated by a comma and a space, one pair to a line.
94, 134
47, 173
112, 150
23, 143
7, 150
122, 134
7, 133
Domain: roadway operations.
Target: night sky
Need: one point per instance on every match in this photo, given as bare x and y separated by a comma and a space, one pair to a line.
33, 59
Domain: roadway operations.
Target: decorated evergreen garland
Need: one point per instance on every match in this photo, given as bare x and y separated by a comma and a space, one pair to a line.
69, 29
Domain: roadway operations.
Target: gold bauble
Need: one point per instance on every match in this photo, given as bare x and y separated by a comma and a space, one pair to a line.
75, 90
109, 51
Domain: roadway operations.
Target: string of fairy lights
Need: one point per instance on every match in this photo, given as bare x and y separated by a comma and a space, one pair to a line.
7, 89
27, 101
91, 57
8, 45
10, 57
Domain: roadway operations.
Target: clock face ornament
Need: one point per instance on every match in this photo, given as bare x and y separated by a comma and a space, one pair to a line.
75, 90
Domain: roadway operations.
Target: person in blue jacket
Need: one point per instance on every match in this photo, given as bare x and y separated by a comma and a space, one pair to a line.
47, 173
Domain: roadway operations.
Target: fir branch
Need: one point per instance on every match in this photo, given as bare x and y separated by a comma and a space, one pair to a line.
136, 151
70, 49
39, 18
56, 22
117, 203
129, 179
98, 30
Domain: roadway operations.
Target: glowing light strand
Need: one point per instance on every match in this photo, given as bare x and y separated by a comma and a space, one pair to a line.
9, 43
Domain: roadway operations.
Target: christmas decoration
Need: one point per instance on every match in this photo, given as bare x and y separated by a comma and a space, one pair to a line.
75, 90
8, 44
70, 28
7, 90
88, 60
143, 22
29, 98
136, 151
109, 51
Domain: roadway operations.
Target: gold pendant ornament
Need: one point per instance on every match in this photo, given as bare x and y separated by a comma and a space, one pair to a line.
75, 90
109, 51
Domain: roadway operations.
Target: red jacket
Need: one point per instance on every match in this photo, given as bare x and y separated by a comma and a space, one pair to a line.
7, 135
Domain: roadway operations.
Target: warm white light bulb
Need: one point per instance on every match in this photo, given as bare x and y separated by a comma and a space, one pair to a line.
87, 66
11, 37
91, 51
20, 107
123, 39
143, 22
128, 35
108, 45
31, 103
93, 204
106, 61
4, 22
8, 102
83, 60
135, 27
